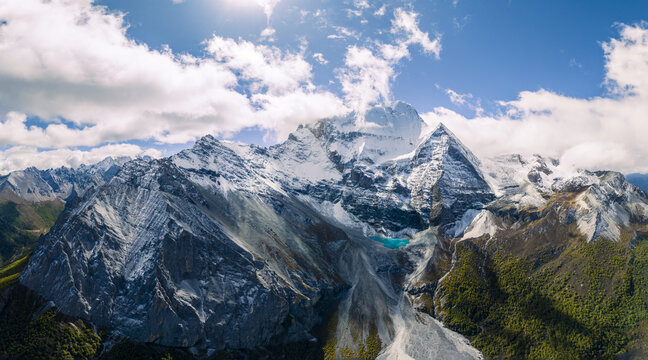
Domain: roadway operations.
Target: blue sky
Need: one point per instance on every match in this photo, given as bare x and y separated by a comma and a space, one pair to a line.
491, 49
83, 79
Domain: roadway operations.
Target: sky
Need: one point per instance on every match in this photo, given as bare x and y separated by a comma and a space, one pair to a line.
81, 79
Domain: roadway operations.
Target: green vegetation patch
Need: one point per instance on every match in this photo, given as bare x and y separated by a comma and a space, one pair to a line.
368, 350
9, 274
26, 335
589, 301
22, 222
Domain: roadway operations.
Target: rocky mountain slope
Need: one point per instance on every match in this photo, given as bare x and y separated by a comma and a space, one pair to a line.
32, 199
555, 268
230, 246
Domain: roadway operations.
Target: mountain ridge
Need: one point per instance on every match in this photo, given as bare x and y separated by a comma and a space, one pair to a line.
145, 254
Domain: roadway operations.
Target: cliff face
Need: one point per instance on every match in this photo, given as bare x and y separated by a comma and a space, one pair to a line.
162, 260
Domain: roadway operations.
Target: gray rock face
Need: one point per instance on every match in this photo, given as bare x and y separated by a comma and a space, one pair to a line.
396, 176
235, 246
603, 203
162, 260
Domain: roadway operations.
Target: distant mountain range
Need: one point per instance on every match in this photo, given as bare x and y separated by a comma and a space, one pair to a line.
639, 180
367, 237
61, 183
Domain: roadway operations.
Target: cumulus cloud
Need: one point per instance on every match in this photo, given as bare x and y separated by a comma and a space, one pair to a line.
282, 114
268, 33
366, 78
267, 68
369, 70
607, 132
72, 61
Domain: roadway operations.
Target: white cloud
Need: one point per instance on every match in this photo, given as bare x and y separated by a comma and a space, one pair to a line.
268, 6
368, 72
457, 98
361, 4
73, 60
381, 11
406, 21
366, 78
465, 100
268, 33
394, 53
21, 157
282, 114
319, 57
606, 132
343, 33
354, 12
266, 67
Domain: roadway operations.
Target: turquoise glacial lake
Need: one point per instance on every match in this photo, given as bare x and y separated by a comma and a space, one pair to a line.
392, 243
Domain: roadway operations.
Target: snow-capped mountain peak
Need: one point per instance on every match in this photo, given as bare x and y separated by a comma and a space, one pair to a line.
226, 236
396, 120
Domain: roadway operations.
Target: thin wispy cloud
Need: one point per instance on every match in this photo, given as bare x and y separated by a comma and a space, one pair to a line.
407, 22
458, 98
381, 11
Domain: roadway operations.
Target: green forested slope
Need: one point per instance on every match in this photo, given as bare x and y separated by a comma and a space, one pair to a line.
550, 295
22, 222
